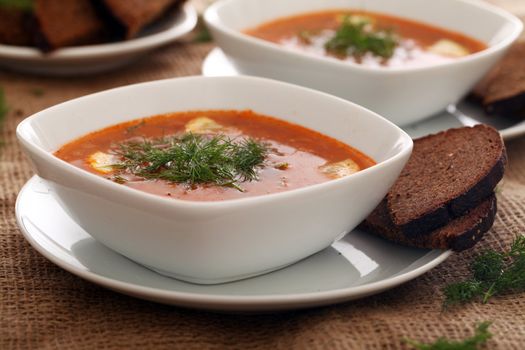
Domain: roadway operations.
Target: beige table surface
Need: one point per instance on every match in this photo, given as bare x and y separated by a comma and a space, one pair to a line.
45, 307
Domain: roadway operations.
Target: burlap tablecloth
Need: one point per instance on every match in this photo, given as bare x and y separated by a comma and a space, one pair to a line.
45, 307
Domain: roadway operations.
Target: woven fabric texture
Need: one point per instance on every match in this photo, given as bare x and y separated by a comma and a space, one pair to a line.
45, 307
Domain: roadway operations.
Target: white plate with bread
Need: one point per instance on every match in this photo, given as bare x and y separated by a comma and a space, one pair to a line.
60, 56
419, 223
358, 265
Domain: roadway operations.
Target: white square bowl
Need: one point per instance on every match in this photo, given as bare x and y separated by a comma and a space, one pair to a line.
214, 242
403, 95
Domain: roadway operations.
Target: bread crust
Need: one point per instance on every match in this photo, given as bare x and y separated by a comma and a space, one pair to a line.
442, 213
502, 90
469, 238
459, 234
458, 206
135, 14
15, 27
67, 23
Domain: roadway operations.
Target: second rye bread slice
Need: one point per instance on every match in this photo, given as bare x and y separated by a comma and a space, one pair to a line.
459, 234
447, 174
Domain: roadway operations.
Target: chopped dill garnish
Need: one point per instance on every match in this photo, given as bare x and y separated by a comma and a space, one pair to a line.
480, 337
194, 159
356, 36
493, 273
133, 128
119, 179
305, 36
282, 166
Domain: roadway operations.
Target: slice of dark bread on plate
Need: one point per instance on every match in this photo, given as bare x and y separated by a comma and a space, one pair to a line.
459, 234
135, 14
502, 90
68, 23
14, 26
447, 174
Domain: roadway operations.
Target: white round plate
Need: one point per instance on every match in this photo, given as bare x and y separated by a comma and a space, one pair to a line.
356, 266
89, 59
465, 113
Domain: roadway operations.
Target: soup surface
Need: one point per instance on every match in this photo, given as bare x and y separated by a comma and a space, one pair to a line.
367, 38
213, 155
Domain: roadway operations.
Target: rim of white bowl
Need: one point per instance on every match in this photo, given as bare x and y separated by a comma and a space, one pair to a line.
182, 23
213, 19
24, 128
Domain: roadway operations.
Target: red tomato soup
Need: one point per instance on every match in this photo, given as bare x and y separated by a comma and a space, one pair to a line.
213, 155
370, 39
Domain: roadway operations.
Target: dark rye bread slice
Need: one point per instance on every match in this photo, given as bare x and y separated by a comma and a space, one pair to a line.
447, 174
502, 90
67, 23
135, 14
14, 26
459, 234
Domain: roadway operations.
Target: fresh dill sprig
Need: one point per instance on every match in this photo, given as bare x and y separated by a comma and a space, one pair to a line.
305, 36
493, 273
356, 37
202, 33
194, 159
25, 5
36, 91
119, 179
3, 111
480, 337
133, 128
3, 105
